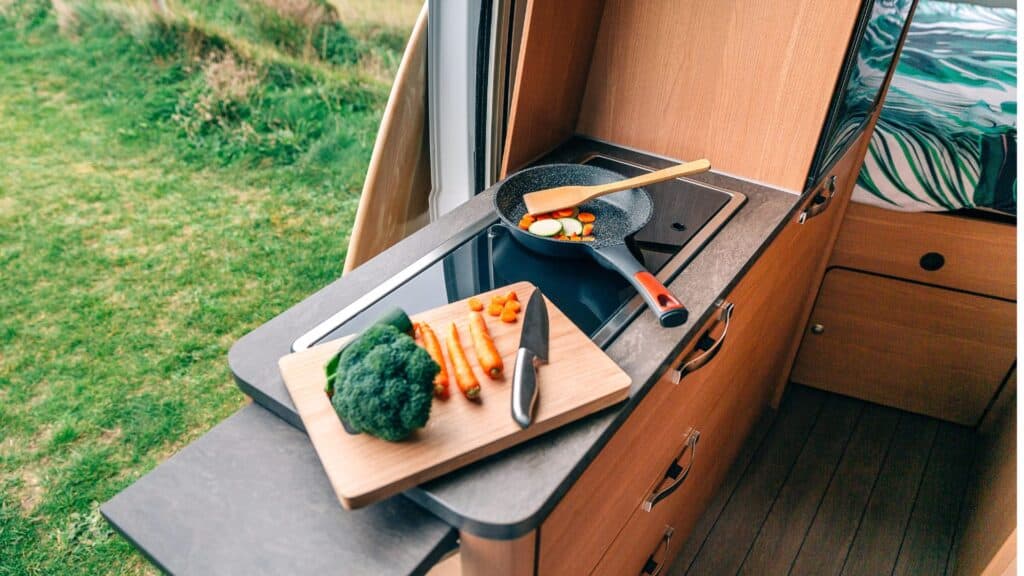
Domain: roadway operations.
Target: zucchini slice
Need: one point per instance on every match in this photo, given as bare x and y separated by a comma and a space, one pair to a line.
546, 228
572, 226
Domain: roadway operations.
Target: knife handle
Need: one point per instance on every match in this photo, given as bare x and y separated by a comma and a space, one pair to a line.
524, 387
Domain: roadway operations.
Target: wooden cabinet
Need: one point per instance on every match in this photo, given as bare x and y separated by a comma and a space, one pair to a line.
919, 348
917, 312
588, 518
686, 435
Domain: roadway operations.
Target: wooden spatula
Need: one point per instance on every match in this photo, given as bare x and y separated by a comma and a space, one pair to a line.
553, 199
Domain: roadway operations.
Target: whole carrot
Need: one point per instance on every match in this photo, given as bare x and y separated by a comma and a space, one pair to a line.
433, 347
464, 376
486, 352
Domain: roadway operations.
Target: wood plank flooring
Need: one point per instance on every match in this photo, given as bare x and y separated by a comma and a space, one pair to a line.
835, 485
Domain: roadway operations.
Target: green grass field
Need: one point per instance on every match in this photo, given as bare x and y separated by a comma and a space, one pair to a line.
167, 183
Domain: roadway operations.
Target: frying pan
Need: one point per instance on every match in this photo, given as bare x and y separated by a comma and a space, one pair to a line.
618, 217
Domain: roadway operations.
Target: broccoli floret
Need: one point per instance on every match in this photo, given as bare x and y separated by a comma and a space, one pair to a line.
386, 384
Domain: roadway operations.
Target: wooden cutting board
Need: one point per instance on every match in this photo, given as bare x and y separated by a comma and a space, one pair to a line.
578, 380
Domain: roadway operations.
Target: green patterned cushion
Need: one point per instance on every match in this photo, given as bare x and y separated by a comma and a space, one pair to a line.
946, 137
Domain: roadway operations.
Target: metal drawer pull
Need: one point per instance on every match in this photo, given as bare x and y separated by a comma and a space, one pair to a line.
653, 567
676, 474
820, 202
709, 345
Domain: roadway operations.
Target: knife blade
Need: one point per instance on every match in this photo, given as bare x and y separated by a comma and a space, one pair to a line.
533, 351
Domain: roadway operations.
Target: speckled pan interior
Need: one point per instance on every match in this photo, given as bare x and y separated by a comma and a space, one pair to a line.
618, 215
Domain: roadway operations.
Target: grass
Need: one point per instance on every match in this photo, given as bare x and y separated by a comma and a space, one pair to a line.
156, 203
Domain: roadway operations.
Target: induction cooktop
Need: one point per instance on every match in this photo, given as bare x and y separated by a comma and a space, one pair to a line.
599, 301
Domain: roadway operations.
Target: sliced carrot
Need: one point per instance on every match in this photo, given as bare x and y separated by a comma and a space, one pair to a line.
588, 229
512, 305
475, 304
512, 296
483, 344
433, 347
464, 376
586, 217
494, 309
508, 315
588, 238
564, 213
525, 224
498, 299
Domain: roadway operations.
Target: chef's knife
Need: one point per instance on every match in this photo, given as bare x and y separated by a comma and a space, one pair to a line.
533, 351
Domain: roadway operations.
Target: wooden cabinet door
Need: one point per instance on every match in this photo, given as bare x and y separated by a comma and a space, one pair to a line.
807, 258
585, 522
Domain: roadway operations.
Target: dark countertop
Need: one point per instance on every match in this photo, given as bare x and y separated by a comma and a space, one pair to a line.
534, 476
250, 498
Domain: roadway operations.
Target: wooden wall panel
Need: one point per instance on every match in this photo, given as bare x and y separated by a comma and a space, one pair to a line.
551, 72
987, 544
745, 84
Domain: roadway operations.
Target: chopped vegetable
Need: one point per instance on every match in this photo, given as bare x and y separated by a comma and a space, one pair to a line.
513, 305
499, 299
494, 309
464, 376
433, 347
545, 228
571, 226
486, 353
568, 224
475, 304
512, 296
385, 384
508, 315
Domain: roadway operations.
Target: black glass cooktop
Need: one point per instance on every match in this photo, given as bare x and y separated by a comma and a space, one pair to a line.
687, 214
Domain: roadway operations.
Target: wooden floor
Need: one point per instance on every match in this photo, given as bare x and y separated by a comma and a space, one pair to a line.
833, 485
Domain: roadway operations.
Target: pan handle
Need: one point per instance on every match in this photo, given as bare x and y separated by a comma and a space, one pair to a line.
669, 310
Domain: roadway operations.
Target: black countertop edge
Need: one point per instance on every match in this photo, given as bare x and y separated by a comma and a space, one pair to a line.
535, 475
209, 510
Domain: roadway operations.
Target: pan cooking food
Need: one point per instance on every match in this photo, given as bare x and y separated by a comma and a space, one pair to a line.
566, 234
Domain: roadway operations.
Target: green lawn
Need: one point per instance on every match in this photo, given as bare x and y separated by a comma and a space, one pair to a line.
147, 221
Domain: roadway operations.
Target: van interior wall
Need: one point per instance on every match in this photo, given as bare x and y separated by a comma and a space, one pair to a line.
555, 52
987, 544
746, 85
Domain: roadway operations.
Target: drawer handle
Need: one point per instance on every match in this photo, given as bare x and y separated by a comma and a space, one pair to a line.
676, 473
708, 345
821, 201
654, 567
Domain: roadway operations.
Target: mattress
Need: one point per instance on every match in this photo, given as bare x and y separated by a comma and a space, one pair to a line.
947, 134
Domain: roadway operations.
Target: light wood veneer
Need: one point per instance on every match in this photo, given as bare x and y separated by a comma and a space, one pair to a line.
746, 84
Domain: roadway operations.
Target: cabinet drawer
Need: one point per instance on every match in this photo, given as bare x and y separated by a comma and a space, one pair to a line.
653, 534
962, 253
585, 522
919, 348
